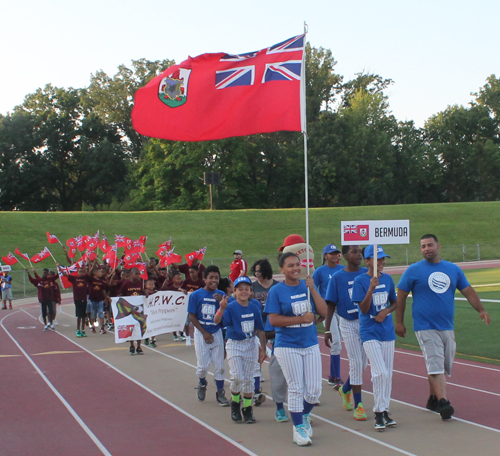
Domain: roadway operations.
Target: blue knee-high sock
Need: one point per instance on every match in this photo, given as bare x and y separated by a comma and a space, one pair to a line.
280, 406
332, 367
297, 418
347, 385
257, 384
336, 362
220, 384
308, 407
357, 399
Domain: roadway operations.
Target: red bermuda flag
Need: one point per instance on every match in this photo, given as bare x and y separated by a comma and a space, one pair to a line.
356, 232
52, 239
10, 259
220, 95
169, 258
201, 253
24, 255
104, 245
41, 256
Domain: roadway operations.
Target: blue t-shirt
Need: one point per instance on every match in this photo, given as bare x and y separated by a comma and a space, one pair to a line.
383, 295
433, 287
5, 284
291, 301
322, 276
340, 292
203, 304
240, 321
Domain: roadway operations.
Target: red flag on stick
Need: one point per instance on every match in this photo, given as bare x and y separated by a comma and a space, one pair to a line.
24, 255
44, 254
52, 239
10, 259
221, 95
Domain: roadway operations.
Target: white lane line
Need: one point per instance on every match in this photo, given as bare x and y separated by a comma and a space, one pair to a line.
215, 431
70, 409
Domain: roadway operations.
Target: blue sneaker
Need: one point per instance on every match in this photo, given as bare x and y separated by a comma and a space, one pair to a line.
307, 424
281, 416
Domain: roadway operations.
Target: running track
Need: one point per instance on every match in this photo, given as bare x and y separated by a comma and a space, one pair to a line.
68, 396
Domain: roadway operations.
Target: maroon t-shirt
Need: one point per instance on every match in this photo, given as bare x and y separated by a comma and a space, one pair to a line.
97, 288
80, 287
130, 288
171, 287
189, 285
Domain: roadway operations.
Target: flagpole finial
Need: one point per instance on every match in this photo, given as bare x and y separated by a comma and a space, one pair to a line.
306, 27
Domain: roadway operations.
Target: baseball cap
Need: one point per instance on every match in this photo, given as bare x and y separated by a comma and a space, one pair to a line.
292, 239
380, 252
237, 252
330, 248
243, 279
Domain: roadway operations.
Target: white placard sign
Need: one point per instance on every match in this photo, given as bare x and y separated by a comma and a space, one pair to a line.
375, 232
6, 267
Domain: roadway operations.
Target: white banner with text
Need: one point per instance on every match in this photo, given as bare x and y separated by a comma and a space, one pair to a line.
375, 232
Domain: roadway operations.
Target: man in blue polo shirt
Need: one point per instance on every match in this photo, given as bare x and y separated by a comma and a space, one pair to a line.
433, 282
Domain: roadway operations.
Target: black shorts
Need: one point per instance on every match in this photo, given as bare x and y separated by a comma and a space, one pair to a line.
81, 309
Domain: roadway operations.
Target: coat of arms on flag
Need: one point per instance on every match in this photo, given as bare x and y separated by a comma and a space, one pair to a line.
173, 89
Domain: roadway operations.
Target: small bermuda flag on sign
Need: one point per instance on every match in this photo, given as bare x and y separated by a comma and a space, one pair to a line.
356, 232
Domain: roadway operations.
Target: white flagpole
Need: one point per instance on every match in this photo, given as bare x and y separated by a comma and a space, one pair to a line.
303, 119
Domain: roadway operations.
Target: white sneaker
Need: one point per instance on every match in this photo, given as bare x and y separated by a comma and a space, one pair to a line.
52, 327
56, 322
306, 419
300, 436
46, 327
188, 341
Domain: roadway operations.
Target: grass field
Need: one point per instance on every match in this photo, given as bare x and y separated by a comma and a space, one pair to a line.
260, 232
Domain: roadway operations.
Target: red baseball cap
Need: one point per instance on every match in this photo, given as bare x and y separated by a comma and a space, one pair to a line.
290, 240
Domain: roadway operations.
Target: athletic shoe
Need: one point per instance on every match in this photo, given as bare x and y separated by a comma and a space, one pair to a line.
111, 327
152, 344
248, 415
10, 307
55, 322
102, 331
4, 308
220, 396
52, 328
338, 383
379, 422
389, 422
346, 399
82, 334
359, 413
281, 416
139, 351
132, 350
176, 338
202, 392
78, 333
306, 421
331, 381
300, 436
188, 341
182, 338
432, 403
236, 412
445, 409
259, 398
262, 379
46, 327
93, 329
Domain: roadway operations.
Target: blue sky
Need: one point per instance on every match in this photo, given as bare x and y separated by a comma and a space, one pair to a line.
437, 52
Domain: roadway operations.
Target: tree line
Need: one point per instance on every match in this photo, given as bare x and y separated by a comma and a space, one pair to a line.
75, 149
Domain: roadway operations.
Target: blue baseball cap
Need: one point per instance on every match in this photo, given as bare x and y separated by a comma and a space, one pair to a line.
243, 279
380, 252
330, 248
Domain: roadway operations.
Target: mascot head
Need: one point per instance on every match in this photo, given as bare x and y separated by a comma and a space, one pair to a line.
297, 244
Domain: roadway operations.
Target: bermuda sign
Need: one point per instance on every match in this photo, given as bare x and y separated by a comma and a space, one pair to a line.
375, 232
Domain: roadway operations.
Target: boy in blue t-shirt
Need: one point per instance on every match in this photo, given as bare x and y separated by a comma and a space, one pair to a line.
242, 319
203, 304
376, 297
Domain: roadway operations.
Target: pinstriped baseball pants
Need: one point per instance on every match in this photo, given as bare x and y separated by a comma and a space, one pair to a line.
355, 351
381, 356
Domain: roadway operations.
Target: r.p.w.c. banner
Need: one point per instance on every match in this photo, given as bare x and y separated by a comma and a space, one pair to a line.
139, 317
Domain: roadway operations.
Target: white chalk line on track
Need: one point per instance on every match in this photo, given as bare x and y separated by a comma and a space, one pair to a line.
70, 409
317, 416
166, 401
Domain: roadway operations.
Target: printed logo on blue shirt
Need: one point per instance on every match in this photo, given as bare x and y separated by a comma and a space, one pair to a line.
439, 282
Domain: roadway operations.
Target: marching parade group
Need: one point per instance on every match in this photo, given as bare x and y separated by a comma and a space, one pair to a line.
237, 318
